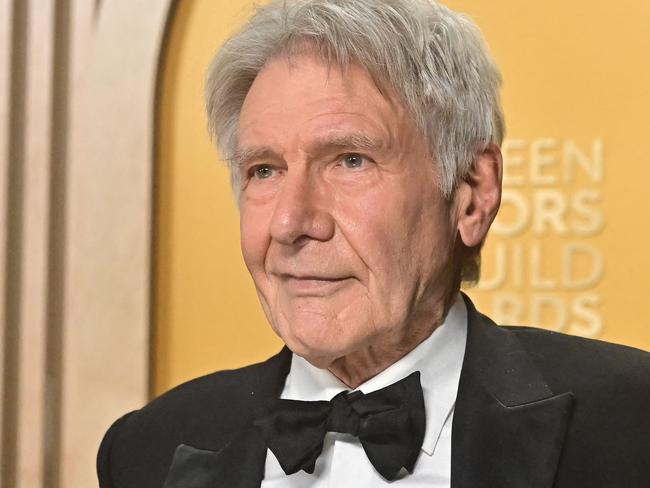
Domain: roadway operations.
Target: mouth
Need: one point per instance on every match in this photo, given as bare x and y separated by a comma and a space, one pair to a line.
313, 285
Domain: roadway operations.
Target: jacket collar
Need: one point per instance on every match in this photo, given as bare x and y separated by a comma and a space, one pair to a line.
508, 427
240, 463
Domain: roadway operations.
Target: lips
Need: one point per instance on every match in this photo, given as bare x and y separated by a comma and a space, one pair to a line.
313, 285
312, 277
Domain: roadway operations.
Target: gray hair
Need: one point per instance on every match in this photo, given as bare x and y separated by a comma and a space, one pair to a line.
434, 59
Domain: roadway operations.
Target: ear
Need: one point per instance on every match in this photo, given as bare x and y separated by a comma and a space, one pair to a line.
478, 196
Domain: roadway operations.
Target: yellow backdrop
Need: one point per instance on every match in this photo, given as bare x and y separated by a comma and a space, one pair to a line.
569, 250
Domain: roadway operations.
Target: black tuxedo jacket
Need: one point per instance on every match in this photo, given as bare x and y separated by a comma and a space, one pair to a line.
535, 409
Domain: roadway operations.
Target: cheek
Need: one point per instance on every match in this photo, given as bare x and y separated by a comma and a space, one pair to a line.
378, 236
254, 239
383, 233
432, 248
402, 240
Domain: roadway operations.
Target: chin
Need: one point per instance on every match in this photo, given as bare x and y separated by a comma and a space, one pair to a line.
321, 362
318, 353
319, 349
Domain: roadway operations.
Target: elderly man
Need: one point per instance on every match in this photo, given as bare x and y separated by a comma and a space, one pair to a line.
363, 139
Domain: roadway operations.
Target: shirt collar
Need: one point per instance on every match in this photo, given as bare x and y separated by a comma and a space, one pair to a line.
439, 359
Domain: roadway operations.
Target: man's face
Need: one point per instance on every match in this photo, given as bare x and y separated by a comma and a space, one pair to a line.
343, 228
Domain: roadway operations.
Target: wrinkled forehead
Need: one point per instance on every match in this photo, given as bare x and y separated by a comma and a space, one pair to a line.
304, 86
292, 53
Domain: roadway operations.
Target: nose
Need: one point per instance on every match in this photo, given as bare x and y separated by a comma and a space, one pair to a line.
302, 210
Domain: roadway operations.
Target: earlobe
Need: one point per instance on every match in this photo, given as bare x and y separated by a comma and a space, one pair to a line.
478, 196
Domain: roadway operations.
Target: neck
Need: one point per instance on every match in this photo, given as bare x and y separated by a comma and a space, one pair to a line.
358, 367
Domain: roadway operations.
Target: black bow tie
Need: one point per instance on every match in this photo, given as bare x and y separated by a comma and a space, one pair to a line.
388, 422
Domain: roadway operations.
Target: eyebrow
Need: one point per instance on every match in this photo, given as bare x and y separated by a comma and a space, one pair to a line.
355, 141
241, 157
352, 141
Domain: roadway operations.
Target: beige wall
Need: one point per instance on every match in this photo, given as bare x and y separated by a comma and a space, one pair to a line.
573, 228
77, 93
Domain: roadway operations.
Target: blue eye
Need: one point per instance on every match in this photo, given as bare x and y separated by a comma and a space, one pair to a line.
353, 160
263, 171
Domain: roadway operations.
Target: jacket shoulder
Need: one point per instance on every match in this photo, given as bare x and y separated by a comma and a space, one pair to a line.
610, 384
571, 363
206, 413
577, 360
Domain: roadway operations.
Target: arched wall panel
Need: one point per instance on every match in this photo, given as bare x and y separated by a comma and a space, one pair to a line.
77, 116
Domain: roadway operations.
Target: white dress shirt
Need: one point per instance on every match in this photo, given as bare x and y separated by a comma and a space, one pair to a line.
343, 462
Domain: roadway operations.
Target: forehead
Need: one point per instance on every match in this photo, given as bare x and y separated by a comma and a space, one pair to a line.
305, 92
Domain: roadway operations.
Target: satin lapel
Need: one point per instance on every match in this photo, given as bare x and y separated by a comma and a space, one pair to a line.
240, 464
509, 427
